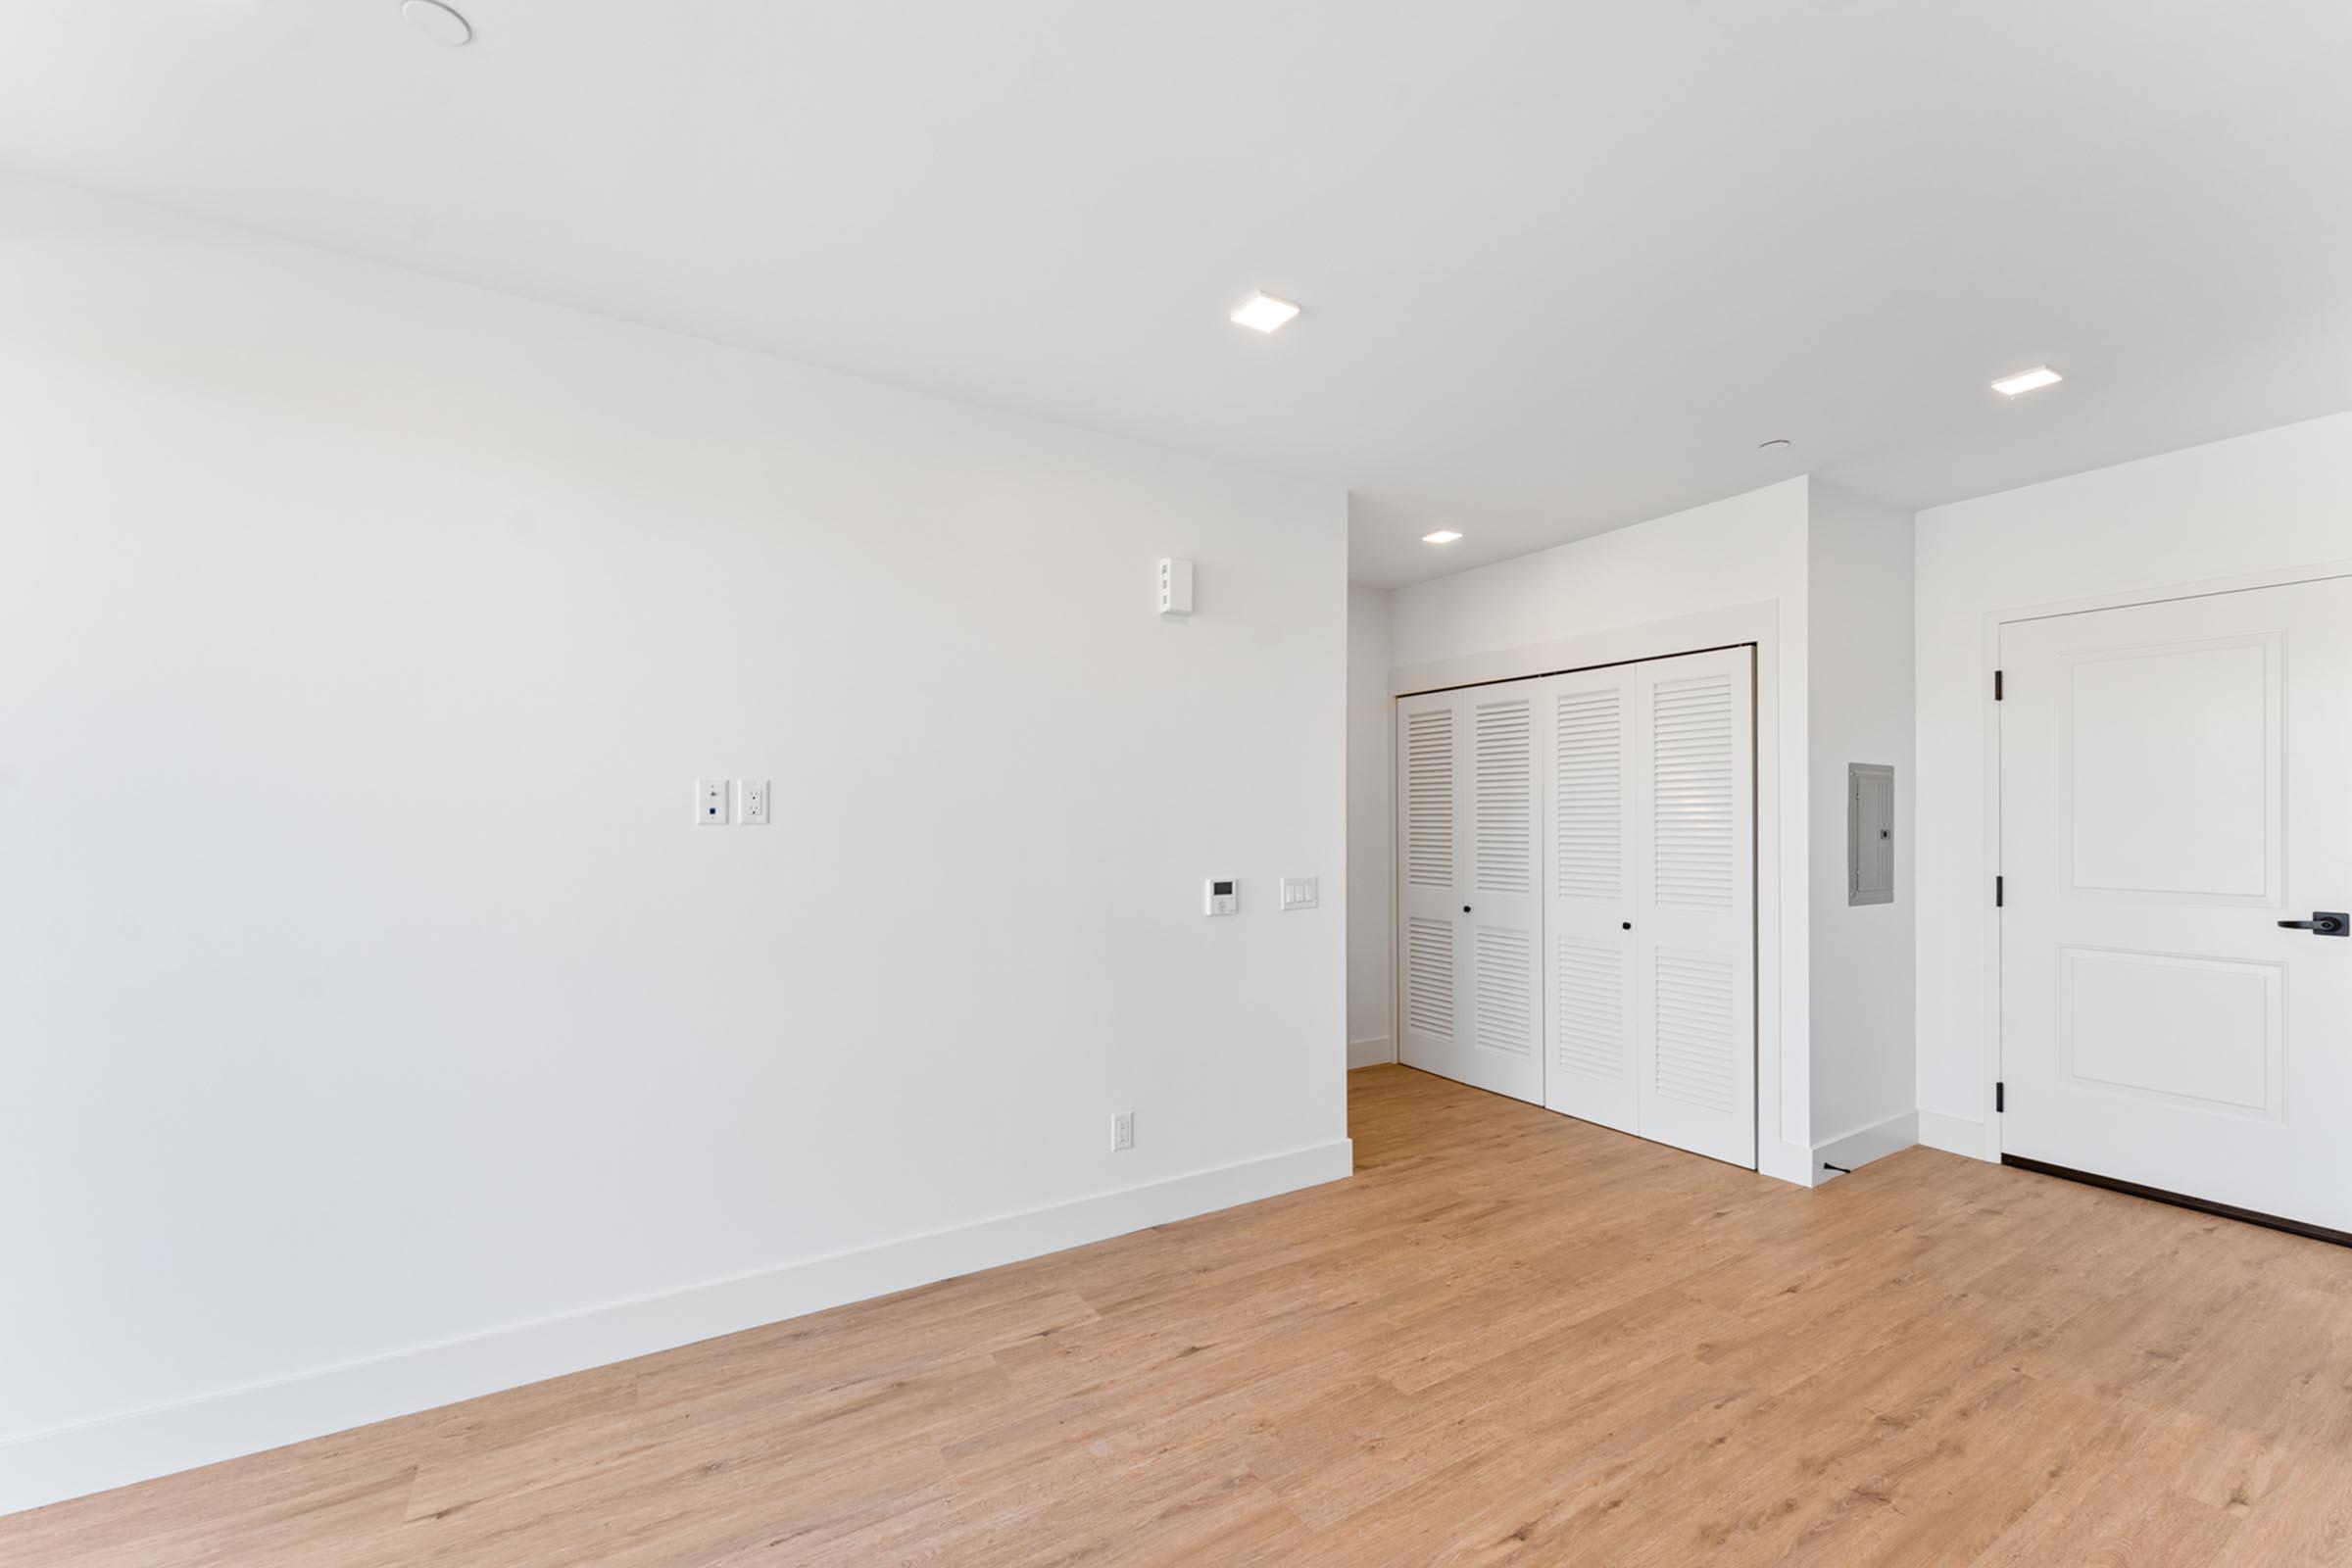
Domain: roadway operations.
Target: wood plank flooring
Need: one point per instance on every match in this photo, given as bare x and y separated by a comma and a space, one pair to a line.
1512, 1338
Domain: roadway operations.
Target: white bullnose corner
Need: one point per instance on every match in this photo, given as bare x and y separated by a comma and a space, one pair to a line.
2024, 382
1264, 313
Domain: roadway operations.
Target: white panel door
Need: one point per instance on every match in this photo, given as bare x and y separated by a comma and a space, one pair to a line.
2176, 780
1590, 1049
1692, 855
1471, 913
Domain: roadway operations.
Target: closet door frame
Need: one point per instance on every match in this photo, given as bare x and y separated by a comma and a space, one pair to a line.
1780, 1131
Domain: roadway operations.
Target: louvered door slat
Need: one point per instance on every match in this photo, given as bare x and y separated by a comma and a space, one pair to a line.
1429, 976
1503, 796
1696, 1040
1506, 992
1587, 809
1588, 985
1427, 803
1694, 793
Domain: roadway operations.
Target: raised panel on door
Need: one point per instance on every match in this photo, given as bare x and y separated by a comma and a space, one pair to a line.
1693, 921
2173, 785
1589, 1066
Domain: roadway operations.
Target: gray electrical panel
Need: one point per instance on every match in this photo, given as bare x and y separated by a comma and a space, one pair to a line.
1869, 833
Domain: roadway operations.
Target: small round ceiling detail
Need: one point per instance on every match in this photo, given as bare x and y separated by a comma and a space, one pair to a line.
437, 21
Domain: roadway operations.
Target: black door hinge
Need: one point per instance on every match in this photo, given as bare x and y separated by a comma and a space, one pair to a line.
1996, 685
1999, 892
2000, 1098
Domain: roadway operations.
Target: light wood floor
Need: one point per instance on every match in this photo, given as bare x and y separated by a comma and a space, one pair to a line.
1511, 1338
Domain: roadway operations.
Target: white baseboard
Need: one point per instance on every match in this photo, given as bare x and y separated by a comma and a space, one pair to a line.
1956, 1135
63, 1462
1785, 1161
1371, 1052
1859, 1147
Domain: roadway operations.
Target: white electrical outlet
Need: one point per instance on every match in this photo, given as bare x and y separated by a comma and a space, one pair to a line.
1122, 1131
754, 803
711, 802
1302, 892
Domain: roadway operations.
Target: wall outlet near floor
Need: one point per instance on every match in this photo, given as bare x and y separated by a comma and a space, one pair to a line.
754, 803
1122, 1131
711, 802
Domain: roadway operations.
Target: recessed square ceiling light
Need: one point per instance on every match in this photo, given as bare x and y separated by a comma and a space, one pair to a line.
1265, 312
1444, 536
2040, 375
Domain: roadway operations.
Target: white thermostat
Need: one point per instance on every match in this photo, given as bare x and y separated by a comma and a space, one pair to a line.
1175, 586
1224, 896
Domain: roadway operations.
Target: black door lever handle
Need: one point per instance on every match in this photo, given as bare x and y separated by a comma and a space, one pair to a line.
2323, 923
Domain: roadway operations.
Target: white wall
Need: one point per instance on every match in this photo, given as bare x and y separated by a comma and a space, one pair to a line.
1371, 831
2279, 500
377, 1019
1668, 585
1862, 1053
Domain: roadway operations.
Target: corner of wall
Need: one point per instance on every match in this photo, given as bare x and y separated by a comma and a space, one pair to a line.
1861, 707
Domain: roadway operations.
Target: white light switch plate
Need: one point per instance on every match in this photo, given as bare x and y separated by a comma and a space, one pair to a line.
711, 802
1302, 892
754, 803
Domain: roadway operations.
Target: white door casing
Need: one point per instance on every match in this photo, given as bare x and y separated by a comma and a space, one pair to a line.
2176, 779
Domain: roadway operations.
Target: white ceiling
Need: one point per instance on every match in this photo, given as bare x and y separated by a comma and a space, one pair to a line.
1564, 265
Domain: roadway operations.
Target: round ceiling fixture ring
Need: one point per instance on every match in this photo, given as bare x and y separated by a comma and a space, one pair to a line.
437, 21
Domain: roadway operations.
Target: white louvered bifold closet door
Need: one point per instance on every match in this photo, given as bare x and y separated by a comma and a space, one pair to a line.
1469, 851
1693, 842
1576, 859
1428, 852
1589, 1047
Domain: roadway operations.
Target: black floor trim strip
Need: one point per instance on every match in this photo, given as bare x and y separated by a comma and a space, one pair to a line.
2203, 1205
